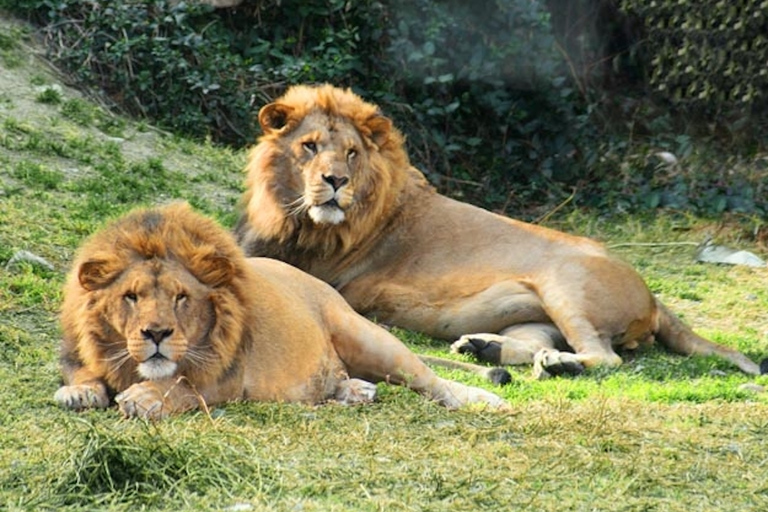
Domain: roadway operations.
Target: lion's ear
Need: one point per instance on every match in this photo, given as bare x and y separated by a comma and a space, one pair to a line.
214, 270
380, 128
97, 273
274, 117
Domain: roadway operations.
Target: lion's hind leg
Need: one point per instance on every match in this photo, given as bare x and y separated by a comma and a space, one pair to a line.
369, 352
515, 345
539, 344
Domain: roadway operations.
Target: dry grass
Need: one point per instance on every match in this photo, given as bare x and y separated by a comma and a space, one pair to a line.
663, 433
607, 453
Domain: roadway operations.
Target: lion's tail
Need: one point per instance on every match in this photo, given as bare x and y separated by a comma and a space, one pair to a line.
497, 375
678, 337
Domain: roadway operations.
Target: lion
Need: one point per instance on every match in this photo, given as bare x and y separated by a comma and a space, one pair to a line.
330, 190
163, 312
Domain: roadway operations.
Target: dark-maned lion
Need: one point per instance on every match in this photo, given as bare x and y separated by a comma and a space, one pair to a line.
330, 190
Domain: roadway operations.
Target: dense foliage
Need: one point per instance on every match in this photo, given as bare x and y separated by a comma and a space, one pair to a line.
707, 55
504, 102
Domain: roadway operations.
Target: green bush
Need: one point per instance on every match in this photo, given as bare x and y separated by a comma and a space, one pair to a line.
193, 69
505, 103
154, 59
488, 107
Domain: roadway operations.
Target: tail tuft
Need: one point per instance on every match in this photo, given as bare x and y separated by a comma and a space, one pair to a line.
499, 376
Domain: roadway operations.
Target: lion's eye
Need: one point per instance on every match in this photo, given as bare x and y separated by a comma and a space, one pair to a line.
351, 153
130, 297
181, 297
310, 146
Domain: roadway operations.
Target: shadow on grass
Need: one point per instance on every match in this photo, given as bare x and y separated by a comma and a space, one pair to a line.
141, 466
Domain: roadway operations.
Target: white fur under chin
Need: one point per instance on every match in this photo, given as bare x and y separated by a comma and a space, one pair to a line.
156, 369
326, 215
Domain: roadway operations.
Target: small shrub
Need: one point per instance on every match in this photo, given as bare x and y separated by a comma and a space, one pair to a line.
79, 111
9, 46
37, 176
49, 95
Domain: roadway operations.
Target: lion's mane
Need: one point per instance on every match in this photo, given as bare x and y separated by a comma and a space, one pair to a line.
174, 233
265, 226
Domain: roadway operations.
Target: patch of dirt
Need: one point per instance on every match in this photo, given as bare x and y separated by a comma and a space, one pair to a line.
25, 74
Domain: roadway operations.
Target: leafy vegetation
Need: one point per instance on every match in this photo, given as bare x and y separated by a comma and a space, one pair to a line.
512, 105
707, 58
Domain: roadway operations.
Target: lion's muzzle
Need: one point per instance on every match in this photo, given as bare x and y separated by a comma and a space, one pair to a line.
329, 199
156, 354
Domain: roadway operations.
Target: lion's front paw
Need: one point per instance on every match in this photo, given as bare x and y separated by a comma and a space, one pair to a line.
485, 347
82, 396
552, 363
142, 400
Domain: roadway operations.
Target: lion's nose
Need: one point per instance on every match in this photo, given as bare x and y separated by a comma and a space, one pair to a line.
156, 335
336, 181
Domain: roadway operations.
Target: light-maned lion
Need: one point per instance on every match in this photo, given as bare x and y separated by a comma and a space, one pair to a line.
330, 190
163, 308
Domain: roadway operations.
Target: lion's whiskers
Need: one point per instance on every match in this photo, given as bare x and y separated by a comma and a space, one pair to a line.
199, 357
118, 359
297, 206
296, 202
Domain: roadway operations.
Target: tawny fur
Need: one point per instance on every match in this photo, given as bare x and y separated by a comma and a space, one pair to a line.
410, 257
163, 309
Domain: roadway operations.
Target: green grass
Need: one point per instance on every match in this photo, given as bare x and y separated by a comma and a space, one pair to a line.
10, 46
662, 433
49, 95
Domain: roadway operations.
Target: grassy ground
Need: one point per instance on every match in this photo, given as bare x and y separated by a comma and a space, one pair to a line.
663, 433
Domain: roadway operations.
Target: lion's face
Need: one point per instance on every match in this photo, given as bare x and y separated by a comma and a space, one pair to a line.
328, 168
162, 312
325, 155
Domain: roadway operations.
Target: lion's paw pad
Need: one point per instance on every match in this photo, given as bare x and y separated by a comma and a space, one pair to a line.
553, 363
484, 347
468, 345
499, 376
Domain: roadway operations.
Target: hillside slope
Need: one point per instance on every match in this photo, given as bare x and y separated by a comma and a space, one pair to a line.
52, 135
